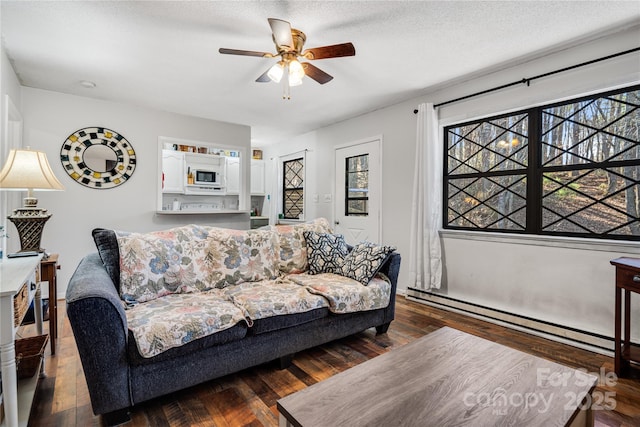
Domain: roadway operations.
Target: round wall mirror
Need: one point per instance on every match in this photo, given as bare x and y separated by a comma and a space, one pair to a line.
98, 157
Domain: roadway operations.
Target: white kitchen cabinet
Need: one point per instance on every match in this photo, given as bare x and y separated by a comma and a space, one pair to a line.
257, 177
217, 185
173, 171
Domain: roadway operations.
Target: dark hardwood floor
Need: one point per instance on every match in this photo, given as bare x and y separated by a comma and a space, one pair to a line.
249, 397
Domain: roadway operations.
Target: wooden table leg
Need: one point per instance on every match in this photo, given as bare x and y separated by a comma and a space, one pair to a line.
618, 333
626, 343
48, 269
53, 313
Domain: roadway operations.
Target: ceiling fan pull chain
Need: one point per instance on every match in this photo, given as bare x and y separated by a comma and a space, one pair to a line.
286, 93
286, 87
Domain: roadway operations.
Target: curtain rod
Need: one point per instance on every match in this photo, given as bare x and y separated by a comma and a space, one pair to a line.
527, 81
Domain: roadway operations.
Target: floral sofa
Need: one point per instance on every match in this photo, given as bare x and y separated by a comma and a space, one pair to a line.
157, 312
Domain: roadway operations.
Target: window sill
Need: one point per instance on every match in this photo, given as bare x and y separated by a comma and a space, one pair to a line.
628, 247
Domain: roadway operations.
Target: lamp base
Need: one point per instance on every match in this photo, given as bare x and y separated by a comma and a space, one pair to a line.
29, 222
30, 202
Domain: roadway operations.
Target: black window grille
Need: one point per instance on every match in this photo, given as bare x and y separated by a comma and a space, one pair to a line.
293, 189
568, 169
356, 193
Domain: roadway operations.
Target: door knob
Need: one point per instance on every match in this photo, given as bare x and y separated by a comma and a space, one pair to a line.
336, 222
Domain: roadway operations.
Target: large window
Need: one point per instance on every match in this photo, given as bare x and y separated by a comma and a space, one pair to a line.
293, 189
570, 169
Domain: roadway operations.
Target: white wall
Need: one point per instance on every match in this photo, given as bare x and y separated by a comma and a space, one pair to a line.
50, 117
568, 285
9, 200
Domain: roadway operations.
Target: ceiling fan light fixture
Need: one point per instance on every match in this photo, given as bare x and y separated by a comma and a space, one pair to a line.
289, 43
296, 73
276, 72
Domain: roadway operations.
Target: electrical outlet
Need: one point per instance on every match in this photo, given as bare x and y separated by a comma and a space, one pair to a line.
327, 198
316, 198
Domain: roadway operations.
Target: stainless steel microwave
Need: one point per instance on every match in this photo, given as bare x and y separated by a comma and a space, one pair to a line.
206, 177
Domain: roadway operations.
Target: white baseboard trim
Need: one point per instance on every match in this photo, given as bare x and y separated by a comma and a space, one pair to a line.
576, 338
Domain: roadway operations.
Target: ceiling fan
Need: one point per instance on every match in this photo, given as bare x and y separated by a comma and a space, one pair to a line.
289, 43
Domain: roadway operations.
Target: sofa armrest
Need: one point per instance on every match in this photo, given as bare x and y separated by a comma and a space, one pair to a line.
391, 268
99, 325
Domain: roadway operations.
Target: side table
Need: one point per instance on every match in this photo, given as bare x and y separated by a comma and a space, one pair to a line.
627, 278
48, 268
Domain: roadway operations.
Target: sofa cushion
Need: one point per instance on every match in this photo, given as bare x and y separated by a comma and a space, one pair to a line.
292, 247
107, 245
270, 298
364, 261
276, 304
234, 333
238, 256
325, 252
160, 263
177, 319
192, 258
274, 323
346, 295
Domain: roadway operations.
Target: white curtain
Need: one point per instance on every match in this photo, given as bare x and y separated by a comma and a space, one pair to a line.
425, 251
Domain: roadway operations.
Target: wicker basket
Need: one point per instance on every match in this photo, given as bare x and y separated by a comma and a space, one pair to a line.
29, 353
20, 304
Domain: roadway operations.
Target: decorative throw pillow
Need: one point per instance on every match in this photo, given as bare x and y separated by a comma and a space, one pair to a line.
364, 261
325, 252
292, 248
107, 245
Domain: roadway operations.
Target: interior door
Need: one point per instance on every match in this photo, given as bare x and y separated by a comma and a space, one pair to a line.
358, 192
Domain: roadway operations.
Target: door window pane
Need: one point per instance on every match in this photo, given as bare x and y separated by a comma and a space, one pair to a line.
357, 185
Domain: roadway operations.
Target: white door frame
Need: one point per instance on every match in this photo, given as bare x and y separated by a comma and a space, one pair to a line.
375, 138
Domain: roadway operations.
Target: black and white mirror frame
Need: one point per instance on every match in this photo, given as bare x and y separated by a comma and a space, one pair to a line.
115, 173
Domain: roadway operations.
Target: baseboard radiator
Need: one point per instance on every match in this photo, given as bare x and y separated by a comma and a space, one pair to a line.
564, 334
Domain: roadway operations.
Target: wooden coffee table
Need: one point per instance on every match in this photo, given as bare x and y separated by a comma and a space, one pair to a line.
446, 378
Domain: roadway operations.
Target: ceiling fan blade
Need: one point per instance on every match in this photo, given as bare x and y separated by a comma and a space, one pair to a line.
333, 51
281, 33
316, 73
264, 78
245, 52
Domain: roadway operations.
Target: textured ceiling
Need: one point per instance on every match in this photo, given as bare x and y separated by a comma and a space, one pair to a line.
164, 54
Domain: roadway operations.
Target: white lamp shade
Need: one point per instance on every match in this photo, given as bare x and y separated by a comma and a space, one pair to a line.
28, 170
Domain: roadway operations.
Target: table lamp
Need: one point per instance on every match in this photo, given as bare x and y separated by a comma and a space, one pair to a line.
29, 170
